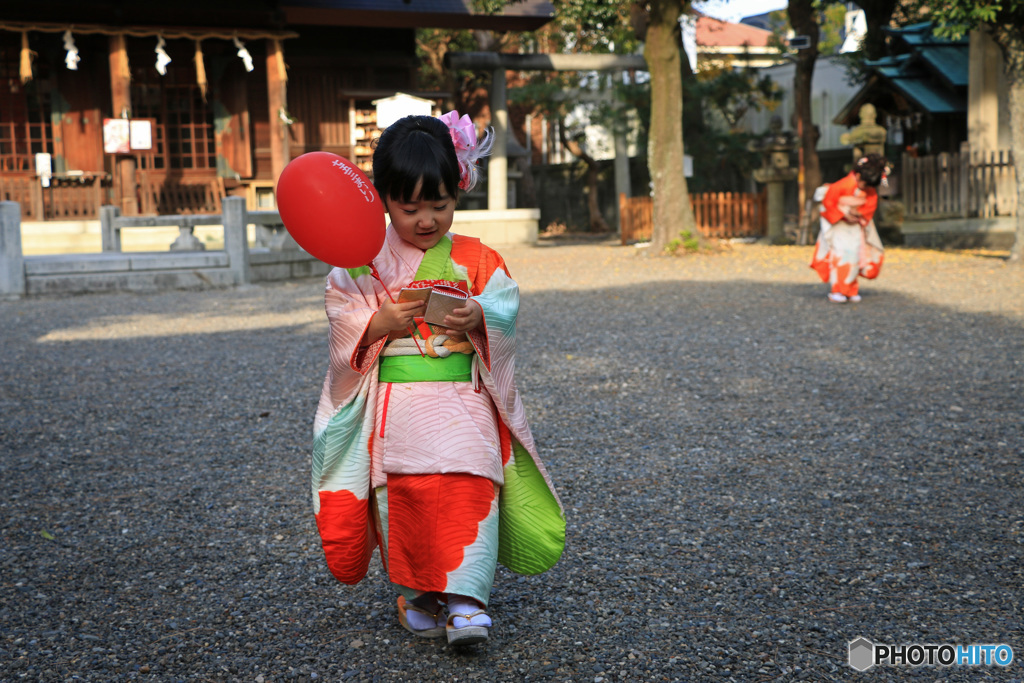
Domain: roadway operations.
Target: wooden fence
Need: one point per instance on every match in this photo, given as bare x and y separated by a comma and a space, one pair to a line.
80, 197
162, 195
67, 197
27, 192
73, 198
964, 184
718, 214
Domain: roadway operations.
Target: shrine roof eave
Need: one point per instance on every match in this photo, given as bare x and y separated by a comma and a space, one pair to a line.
929, 97
922, 92
947, 62
528, 15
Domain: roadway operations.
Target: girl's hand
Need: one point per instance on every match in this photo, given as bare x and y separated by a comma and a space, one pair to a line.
464, 319
399, 316
392, 318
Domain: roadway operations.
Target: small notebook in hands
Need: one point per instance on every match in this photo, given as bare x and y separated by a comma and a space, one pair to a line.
441, 300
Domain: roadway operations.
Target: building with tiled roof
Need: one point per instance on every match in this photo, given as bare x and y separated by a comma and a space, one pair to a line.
723, 43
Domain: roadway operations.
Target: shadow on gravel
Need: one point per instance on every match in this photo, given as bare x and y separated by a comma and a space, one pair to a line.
753, 478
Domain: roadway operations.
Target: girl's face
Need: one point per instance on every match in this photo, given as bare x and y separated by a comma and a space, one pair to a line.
422, 222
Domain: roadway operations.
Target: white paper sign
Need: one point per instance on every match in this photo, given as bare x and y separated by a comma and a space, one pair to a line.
141, 135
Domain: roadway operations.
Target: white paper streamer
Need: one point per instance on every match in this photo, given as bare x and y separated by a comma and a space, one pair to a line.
162, 58
72, 57
243, 53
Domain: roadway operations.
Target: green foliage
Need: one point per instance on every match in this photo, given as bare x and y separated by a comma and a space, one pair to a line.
687, 242
596, 25
778, 24
831, 20
833, 23
604, 26
491, 6
721, 154
722, 158
954, 18
733, 92
853, 64
580, 26
431, 46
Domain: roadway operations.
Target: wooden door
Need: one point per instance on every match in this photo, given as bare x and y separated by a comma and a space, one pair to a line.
231, 123
78, 122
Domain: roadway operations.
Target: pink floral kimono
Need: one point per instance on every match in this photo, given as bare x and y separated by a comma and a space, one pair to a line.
431, 459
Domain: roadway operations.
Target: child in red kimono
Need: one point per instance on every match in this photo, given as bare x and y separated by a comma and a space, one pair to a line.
422, 447
848, 245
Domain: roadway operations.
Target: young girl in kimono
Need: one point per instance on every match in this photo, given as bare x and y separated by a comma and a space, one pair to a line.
848, 244
422, 447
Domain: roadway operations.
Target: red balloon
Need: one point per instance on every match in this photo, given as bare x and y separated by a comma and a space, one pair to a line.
331, 209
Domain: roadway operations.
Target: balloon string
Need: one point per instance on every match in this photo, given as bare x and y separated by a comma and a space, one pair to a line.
412, 330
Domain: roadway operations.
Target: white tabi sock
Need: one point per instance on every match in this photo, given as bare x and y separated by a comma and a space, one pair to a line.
459, 604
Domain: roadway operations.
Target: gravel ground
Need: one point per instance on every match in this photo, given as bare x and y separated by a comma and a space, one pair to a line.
753, 478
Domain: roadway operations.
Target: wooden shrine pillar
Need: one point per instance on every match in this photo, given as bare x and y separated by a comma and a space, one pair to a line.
121, 105
277, 97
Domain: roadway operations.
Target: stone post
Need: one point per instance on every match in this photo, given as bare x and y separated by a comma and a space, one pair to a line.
497, 164
110, 235
776, 212
774, 173
775, 180
236, 244
12, 262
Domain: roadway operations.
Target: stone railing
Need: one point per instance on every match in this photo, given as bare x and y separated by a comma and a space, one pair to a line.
187, 264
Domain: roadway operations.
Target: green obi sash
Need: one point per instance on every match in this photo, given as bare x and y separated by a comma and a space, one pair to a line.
457, 367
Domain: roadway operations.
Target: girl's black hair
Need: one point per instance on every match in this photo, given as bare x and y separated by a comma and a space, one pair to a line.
870, 168
414, 148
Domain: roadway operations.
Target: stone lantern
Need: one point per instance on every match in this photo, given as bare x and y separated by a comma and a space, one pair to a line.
868, 137
775, 170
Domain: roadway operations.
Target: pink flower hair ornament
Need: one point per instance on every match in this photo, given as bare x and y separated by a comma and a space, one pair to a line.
467, 150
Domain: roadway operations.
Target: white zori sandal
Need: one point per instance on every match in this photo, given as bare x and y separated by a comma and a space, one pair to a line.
466, 625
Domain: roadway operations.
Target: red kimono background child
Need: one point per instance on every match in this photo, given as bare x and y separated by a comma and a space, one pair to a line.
848, 244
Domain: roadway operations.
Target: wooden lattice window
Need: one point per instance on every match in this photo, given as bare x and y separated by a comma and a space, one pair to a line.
183, 138
25, 128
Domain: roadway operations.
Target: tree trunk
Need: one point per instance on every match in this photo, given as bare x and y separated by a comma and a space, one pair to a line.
804, 20
1011, 40
877, 15
672, 211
